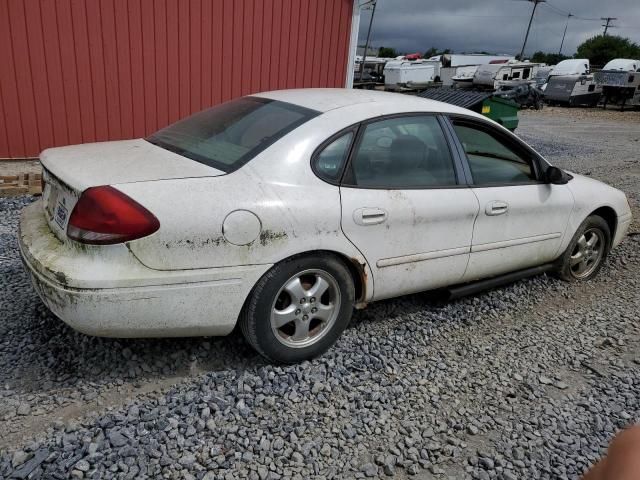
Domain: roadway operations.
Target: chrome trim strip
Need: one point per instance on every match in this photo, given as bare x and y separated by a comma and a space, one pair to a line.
419, 257
512, 243
450, 252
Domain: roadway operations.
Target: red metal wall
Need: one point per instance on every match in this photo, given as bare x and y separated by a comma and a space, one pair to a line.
74, 71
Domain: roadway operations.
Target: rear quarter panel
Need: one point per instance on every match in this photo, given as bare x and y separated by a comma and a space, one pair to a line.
293, 218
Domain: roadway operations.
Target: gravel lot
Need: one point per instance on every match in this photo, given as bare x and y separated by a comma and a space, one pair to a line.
527, 381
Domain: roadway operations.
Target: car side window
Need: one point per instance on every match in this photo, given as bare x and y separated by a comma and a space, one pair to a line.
491, 160
329, 161
402, 152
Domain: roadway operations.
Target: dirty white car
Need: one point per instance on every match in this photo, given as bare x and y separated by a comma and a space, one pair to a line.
285, 210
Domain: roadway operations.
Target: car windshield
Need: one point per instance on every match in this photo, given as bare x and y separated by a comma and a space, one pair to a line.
229, 135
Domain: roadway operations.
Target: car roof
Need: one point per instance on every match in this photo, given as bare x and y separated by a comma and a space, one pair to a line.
326, 99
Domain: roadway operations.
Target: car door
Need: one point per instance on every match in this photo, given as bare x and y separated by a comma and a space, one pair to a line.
403, 206
522, 219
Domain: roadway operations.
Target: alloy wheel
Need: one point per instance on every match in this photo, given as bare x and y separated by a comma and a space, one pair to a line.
305, 308
587, 254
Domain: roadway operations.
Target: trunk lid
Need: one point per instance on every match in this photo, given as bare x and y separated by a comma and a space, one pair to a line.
124, 161
68, 171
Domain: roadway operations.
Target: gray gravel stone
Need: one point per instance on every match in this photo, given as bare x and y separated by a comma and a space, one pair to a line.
18, 458
117, 439
82, 465
545, 380
369, 469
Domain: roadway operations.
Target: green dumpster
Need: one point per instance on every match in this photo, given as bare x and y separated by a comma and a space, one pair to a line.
503, 111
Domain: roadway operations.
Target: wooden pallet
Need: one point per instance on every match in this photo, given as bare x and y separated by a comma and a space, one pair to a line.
21, 184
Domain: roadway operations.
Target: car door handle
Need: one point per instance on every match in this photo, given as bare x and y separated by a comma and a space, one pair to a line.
369, 216
497, 207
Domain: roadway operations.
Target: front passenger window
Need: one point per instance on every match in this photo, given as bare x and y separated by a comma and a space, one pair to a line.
490, 160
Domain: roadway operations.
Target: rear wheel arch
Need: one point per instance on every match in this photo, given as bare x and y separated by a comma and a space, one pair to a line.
359, 271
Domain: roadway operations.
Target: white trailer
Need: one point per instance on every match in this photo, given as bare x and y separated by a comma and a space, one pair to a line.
404, 73
620, 82
460, 60
572, 83
490, 76
459, 69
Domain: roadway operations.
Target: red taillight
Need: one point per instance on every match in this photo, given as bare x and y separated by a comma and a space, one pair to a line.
104, 215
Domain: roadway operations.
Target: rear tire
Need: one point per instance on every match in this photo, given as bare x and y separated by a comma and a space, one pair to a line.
299, 308
589, 247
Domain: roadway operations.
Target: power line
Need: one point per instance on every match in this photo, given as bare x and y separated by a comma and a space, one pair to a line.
587, 19
475, 16
557, 10
564, 13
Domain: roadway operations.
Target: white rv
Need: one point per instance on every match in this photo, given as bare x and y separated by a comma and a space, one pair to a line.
572, 83
490, 76
620, 82
459, 69
460, 60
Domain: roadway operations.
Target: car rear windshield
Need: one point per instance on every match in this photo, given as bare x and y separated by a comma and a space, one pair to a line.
229, 135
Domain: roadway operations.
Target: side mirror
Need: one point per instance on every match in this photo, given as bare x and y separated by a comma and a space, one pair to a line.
557, 176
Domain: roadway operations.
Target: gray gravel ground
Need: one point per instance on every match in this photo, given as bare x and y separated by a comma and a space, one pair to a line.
527, 381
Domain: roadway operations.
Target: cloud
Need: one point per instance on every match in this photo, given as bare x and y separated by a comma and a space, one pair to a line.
496, 26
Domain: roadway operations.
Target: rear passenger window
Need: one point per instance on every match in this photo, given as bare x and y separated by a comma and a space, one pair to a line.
328, 163
404, 152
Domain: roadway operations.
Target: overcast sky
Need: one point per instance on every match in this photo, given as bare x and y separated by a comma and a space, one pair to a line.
496, 26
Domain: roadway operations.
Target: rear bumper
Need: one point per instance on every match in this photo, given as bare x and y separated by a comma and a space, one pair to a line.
108, 292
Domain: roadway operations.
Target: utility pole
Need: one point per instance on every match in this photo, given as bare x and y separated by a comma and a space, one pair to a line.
564, 34
535, 5
606, 25
366, 45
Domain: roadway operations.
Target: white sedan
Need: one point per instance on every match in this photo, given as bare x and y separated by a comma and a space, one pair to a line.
284, 210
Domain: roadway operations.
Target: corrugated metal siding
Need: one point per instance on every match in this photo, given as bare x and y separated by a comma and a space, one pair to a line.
75, 71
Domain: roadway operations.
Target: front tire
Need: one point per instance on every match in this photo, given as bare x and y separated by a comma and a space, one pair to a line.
299, 308
583, 258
